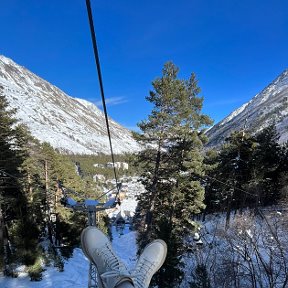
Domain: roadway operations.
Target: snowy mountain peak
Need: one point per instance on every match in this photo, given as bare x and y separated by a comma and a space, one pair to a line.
5, 59
69, 124
267, 107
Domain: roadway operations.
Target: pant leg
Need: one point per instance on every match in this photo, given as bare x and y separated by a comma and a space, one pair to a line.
125, 284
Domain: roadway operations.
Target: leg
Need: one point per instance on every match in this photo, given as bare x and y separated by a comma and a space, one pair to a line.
113, 273
97, 248
125, 285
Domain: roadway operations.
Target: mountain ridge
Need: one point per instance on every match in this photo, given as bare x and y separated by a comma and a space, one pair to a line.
265, 108
71, 125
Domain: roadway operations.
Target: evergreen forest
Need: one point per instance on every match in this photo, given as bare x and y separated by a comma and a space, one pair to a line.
185, 181
31, 177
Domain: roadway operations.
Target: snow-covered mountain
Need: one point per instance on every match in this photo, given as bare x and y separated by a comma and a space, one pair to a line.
69, 124
267, 107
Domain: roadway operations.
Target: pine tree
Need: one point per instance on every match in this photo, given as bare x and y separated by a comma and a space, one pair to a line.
283, 174
200, 277
267, 159
247, 171
14, 216
234, 171
211, 188
172, 163
47, 168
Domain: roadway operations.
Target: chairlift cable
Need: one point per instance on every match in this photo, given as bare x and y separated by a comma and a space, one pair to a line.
117, 187
197, 175
230, 186
97, 61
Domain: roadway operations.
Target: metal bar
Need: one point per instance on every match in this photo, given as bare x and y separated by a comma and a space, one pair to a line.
93, 279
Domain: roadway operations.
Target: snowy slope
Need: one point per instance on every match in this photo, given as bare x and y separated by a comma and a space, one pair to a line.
68, 124
267, 107
76, 268
75, 273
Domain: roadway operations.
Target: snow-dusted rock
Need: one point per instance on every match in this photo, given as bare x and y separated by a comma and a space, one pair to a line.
69, 124
267, 107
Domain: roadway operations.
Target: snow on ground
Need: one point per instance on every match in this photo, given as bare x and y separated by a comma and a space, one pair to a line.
125, 246
74, 275
76, 269
244, 252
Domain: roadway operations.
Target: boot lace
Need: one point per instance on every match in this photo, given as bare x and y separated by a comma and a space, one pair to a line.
143, 273
110, 259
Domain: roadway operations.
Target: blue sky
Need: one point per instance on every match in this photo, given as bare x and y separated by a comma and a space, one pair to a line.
235, 48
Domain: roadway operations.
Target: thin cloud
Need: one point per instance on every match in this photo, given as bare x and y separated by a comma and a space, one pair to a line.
112, 101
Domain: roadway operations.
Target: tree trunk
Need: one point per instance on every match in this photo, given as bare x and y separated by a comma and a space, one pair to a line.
149, 216
4, 245
229, 208
2, 227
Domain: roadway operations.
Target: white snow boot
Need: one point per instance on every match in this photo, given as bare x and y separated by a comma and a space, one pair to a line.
149, 262
97, 248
